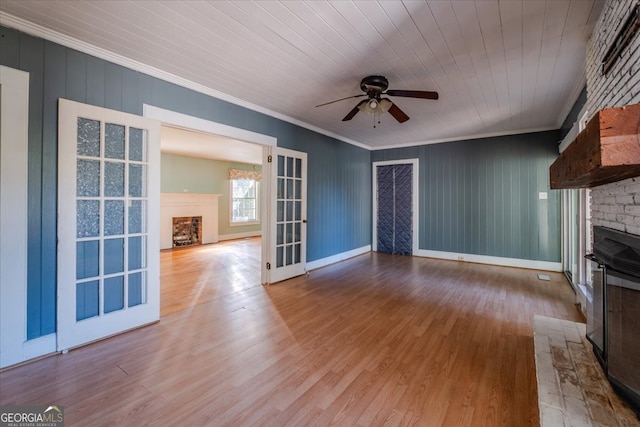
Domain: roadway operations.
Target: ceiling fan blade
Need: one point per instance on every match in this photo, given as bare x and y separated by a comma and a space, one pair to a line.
353, 112
342, 99
413, 94
398, 114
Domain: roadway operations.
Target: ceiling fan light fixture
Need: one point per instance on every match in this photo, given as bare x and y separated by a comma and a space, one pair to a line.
385, 104
375, 106
366, 108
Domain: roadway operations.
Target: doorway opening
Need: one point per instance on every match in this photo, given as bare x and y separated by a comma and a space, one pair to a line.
230, 256
395, 207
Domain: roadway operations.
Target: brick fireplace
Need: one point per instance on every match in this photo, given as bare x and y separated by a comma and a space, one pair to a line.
615, 205
605, 156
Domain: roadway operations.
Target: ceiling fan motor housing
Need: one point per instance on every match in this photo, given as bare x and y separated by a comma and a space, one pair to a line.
373, 86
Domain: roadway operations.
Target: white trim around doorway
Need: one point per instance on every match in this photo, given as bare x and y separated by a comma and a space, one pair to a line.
14, 346
194, 123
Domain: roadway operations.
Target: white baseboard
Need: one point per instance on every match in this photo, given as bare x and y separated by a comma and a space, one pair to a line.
493, 260
40, 346
234, 236
337, 258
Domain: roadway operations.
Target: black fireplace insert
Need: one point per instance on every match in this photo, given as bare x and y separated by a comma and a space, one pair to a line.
615, 308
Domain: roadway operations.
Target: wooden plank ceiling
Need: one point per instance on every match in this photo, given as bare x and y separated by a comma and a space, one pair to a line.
500, 67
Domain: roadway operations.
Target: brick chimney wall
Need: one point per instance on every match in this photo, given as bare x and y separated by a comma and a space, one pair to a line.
615, 205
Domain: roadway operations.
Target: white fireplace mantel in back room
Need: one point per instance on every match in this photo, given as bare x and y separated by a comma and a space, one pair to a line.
188, 204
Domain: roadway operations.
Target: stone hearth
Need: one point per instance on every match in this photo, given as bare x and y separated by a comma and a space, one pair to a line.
572, 388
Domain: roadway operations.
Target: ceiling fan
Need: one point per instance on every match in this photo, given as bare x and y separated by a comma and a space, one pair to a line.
376, 86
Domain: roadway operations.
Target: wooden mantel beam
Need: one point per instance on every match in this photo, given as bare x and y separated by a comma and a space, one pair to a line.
607, 150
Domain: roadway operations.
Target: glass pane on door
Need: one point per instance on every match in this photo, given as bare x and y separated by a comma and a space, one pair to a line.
111, 183
288, 218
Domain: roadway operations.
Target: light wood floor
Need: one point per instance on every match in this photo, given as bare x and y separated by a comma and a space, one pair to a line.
194, 275
374, 340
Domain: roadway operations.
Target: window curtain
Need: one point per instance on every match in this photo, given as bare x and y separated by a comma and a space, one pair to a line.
244, 174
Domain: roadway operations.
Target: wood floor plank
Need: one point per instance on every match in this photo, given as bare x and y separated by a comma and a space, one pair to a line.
374, 340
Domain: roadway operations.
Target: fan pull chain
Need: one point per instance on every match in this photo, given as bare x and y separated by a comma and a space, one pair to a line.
376, 118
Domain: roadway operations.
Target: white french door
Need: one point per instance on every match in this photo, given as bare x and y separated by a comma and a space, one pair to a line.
288, 214
108, 216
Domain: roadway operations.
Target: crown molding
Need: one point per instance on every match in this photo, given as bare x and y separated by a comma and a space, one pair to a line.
466, 137
40, 31
37, 30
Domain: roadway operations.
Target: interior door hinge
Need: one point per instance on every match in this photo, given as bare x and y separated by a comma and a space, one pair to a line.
269, 158
268, 266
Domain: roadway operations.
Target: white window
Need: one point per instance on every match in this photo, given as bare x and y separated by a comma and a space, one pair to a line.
244, 201
577, 229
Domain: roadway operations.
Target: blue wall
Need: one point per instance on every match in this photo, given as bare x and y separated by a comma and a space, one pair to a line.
481, 196
339, 180
477, 197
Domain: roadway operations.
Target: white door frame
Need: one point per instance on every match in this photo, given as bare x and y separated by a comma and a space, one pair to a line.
266, 141
14, 108
414, 185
